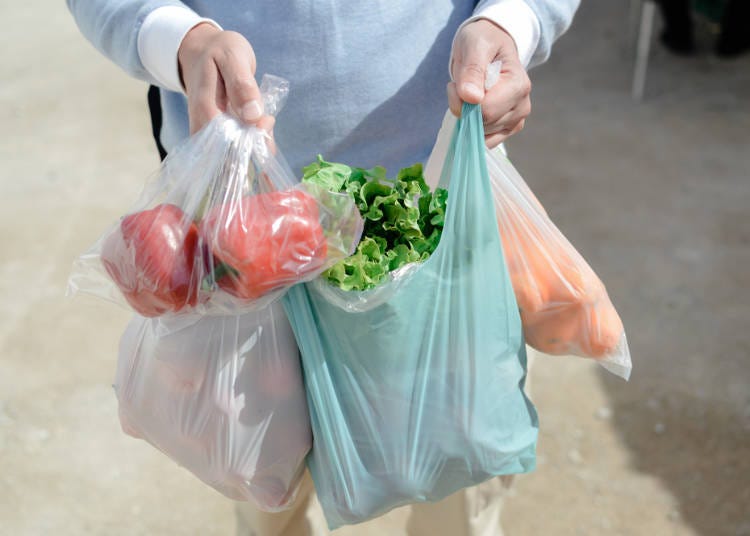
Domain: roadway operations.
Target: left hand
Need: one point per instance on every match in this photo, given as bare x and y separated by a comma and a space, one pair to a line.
507, 104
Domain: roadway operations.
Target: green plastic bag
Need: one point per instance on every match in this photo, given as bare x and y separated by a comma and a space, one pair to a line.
415, 388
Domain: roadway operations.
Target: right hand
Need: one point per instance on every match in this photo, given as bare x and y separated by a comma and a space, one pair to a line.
218, 72
507, 104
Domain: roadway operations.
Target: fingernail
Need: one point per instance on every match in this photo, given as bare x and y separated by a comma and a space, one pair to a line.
251, 111
472, 90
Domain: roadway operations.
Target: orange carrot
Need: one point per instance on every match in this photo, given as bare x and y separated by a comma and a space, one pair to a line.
564, 305
605, 329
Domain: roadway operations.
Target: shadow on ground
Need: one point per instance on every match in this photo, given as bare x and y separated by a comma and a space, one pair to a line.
699, 450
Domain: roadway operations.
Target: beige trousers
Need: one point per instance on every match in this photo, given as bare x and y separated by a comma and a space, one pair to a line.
474, 511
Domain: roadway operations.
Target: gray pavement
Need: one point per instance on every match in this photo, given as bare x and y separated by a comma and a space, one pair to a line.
655, 195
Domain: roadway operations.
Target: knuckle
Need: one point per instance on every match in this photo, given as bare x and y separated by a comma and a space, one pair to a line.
201, 107
526, 110
234, 49
232, 38
493, 115
473, 70
225, 55
525, 86
240, 85
495, 140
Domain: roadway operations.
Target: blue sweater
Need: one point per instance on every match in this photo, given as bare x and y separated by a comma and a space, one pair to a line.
367, 77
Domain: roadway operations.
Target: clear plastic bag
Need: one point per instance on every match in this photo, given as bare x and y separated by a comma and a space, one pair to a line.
418, 391
222, 396
564, 306
224, 228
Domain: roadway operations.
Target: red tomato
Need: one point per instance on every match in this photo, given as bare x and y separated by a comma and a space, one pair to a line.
151, 256
266, 240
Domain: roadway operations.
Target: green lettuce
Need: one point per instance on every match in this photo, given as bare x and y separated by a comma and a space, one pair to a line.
403, 219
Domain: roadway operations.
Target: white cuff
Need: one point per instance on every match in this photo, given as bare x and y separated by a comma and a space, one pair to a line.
516, 18
159, 39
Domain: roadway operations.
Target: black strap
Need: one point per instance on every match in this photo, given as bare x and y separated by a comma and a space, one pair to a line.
154, 107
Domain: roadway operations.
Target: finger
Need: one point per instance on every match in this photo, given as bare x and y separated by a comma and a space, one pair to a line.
470, 69
510, 119
202, 99
469, 86
236, 62
512, 89
267, 123
493, 140
454, 101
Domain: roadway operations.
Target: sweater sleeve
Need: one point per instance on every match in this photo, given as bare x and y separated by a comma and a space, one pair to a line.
555, 17
113, 27
533, 24
516, 18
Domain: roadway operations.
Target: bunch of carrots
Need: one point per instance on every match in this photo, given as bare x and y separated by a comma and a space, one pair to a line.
564, 306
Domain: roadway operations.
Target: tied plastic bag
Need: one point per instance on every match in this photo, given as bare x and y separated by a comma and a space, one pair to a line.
418, 392
564, 306
222, 396
225, 227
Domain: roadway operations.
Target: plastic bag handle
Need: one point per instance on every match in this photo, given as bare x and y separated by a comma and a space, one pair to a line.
466, 177
274, 91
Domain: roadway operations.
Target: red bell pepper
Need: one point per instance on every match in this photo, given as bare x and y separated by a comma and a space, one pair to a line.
151, 257
264, 242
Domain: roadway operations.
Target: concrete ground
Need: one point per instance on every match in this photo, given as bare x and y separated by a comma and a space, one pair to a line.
655, 195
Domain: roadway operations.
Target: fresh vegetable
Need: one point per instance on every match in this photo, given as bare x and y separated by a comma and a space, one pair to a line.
403, 220
163, 262
543, 272
586, 329
563, 304
151, 257
605, 329
264, 242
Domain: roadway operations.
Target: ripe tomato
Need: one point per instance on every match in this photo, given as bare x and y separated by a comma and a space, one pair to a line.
151, 257
266, 241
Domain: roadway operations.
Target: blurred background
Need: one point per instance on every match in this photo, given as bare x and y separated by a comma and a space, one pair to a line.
654, 194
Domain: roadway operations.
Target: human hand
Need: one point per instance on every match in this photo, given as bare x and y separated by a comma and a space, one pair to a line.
506, 105
218, 71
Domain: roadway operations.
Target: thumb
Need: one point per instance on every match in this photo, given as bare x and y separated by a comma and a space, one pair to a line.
470, 77
470, 71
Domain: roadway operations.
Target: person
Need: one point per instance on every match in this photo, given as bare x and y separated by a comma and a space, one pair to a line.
369, 85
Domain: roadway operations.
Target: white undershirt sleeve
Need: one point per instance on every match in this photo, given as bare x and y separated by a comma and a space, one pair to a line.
160, 38
516, 18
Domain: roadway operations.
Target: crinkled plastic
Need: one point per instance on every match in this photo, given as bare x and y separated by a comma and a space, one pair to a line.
564, 306
222, 396
419, 392
225, 227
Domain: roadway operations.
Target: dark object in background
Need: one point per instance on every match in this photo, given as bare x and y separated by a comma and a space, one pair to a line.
732, 16
735, 30
677, 35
